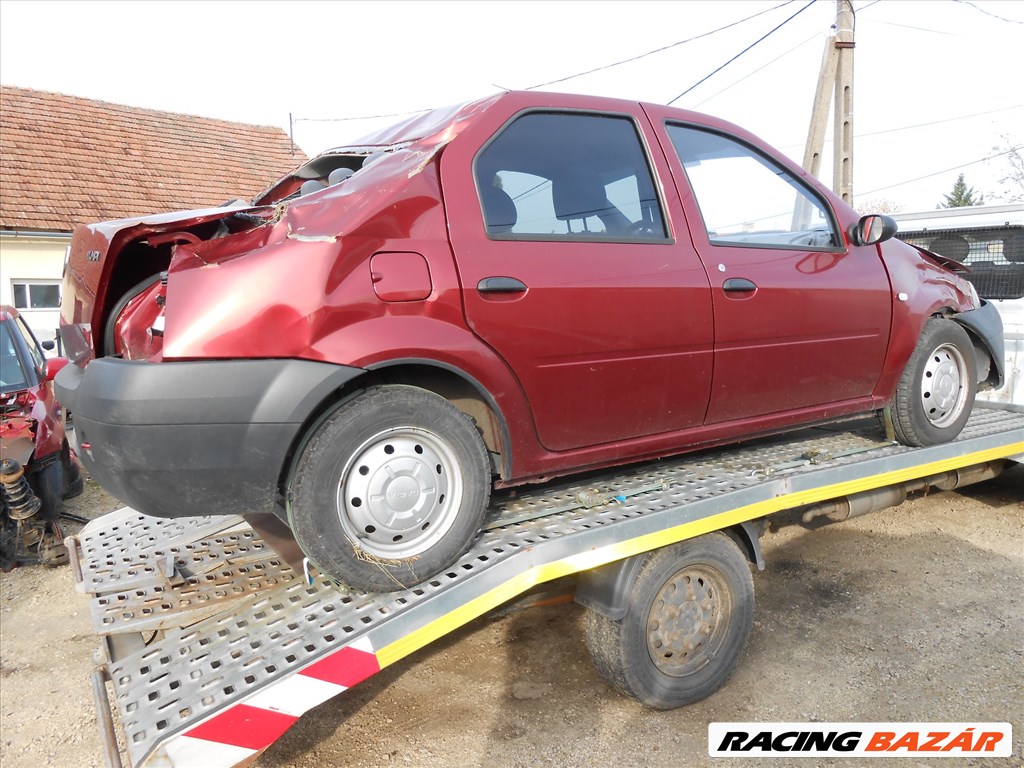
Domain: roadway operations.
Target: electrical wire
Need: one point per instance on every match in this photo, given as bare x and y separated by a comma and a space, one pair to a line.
730, 61
659, 50
988, 13
944, 170
759, 69
918, 125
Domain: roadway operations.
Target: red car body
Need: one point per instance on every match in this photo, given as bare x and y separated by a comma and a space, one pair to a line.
570, 350
31, 419
37, 468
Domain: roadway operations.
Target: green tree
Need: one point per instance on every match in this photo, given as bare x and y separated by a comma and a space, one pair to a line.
961, 196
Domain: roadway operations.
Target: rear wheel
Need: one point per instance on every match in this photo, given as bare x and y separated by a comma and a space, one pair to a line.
690, 611
73, 482
936, 392
109, 336
391, 488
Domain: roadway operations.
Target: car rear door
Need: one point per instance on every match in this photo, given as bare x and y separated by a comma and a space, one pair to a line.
571, 272
801, 321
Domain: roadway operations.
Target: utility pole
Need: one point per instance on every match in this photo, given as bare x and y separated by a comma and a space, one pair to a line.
835, 80
842, 132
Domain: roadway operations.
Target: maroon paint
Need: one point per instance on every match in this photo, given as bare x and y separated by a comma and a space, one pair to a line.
615, 352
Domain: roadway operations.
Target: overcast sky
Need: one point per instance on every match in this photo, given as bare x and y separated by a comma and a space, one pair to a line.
953, 69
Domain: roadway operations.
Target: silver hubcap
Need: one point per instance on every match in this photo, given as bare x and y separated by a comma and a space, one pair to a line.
688, 621
400, 493
943, 390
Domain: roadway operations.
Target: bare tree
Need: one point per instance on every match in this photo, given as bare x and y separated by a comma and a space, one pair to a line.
880, 205
1012, 155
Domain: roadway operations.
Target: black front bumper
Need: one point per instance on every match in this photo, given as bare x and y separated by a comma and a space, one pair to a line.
987, 327
182, 439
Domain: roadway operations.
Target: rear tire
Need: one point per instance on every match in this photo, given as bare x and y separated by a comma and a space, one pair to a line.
73, 482
391, 488
936, 392
109, 340
690, 612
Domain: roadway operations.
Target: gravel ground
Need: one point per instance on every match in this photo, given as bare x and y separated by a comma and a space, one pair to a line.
911, 614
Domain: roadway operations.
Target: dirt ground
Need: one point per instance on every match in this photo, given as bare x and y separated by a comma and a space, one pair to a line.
911, 614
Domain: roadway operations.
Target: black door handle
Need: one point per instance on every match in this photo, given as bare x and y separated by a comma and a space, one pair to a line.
739, 285
501, 285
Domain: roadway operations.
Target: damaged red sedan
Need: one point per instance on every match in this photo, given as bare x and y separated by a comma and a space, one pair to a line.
520, 287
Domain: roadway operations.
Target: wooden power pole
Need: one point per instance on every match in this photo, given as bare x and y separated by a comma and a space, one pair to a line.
836, 81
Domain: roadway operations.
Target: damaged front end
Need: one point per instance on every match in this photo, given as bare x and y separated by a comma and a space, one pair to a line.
26, 536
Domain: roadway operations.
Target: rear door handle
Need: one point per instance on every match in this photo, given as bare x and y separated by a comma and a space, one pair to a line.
739, 285
501, 285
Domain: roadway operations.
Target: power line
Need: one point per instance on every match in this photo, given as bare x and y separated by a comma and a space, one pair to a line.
658, 50
922, 125
988, 13
561, 79
939, 173
730, 61
759, 69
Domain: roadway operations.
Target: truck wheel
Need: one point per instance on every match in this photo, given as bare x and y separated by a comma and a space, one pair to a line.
391, 488
936, 391
690, 611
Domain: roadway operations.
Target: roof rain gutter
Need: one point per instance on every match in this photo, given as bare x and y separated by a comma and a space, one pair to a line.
39, 234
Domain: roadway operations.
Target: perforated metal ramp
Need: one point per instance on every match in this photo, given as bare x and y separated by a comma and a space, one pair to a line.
215, 647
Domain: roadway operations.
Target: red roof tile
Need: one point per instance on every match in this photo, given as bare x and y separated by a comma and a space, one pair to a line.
66, 160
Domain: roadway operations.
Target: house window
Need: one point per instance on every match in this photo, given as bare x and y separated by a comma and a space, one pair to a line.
36, 294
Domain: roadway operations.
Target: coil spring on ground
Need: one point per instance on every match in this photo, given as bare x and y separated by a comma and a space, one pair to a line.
18, 497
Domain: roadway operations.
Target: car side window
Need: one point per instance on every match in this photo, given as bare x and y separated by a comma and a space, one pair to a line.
12, 376
38, 359
746, 199
568, 176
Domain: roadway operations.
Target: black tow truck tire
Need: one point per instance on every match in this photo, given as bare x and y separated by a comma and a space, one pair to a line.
690, 609
391, 488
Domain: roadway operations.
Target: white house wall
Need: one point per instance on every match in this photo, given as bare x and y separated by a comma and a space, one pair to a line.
33, 258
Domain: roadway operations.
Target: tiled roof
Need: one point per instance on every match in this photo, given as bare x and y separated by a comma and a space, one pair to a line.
66, 160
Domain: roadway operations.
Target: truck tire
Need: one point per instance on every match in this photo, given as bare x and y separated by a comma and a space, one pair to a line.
690, 611
936, 392
390, 489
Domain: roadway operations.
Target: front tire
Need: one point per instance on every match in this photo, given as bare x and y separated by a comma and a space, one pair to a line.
936, 392
390, 489
689, 615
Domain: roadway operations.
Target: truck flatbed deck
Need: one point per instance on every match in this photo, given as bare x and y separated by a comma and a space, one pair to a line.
213, 646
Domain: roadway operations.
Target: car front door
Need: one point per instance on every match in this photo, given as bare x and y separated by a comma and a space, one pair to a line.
800, 320
571, 274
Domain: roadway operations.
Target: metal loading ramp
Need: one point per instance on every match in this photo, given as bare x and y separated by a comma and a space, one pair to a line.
213, 646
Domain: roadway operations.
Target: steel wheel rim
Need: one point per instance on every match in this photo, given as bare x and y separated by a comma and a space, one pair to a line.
944, 386
400, 493
688, 621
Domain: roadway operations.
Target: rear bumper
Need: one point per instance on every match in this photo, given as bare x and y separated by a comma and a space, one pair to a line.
181, 439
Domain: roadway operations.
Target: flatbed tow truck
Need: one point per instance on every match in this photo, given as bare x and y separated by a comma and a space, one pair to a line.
212, 645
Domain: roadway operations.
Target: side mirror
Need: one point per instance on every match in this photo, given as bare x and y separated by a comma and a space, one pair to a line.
48, 345
54, 366
872, 229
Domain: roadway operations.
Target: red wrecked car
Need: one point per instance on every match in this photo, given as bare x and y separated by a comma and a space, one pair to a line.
524, 286
37, 468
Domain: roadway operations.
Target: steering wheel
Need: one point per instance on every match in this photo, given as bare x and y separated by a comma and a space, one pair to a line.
642, 227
